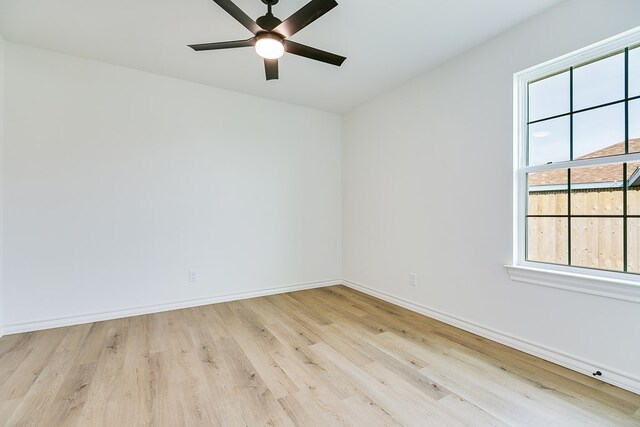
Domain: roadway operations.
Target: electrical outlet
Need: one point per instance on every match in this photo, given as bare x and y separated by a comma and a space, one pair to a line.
412, 279
193, 276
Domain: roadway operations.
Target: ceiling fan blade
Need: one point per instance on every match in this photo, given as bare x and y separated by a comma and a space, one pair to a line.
271, 68
239, 15
223, 45
313, 53
305, 16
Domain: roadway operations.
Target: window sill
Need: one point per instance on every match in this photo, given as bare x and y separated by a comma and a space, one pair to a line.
626, 290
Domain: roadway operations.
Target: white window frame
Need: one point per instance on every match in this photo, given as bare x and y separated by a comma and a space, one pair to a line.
618, 285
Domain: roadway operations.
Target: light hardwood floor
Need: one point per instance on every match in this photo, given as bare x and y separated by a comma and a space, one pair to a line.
323, 357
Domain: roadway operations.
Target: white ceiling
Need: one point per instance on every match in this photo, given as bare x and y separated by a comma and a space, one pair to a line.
386, 42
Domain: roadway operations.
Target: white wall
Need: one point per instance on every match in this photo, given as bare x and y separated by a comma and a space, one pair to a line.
427, 188
118, 182
2, 299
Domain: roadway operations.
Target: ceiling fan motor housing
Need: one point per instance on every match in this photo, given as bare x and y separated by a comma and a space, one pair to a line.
268, 22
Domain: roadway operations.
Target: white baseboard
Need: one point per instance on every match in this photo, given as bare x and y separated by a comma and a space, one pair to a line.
42, 324
609, 375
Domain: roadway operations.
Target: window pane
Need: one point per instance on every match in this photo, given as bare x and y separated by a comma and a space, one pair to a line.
634, 126
549, 141
597, 190
547, 240
599, 132
633, 189
634, 72
633, 245
548, 192
549, 97
599, 82
597, 243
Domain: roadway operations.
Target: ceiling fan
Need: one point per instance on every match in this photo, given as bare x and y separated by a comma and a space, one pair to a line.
271, 35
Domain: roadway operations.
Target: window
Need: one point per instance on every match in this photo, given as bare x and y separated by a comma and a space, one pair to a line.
577, 172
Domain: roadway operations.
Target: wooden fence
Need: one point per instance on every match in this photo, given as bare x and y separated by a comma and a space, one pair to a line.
596, 242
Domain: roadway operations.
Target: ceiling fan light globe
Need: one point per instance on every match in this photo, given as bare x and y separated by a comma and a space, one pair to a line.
269, 48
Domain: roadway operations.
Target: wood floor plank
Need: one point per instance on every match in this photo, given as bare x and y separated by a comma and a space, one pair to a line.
33, 407
322, 357
7, 408
405, 369
468, 413
67, 407
31, 364
404, 405
15, 343
258, 343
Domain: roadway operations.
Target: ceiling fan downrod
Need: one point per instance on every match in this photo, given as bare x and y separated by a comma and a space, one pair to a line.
268, 22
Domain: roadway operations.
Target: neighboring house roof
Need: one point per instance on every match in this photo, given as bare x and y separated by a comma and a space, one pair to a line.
605, 176
615, 149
